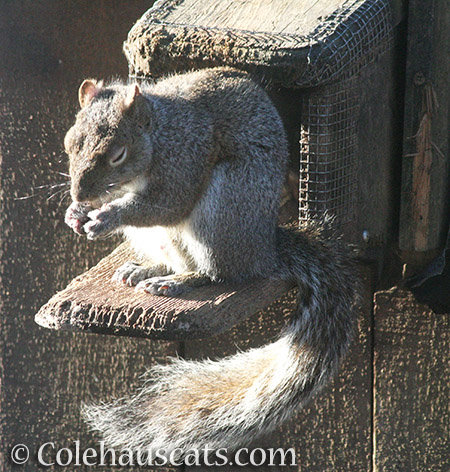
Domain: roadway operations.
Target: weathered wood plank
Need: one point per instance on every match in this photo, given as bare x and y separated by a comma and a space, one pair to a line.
279, 16
411, 387
425, 172
93, 302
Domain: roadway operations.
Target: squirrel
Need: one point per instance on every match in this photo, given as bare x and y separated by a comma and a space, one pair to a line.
190, 169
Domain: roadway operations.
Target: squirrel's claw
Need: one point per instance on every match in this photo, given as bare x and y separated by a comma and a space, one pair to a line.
162, 286
129, 274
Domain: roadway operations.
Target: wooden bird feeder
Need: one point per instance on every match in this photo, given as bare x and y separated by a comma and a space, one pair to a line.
317, 48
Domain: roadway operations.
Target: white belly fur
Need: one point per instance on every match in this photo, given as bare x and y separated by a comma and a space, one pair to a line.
154, 244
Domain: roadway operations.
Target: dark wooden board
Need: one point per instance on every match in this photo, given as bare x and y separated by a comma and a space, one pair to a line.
47, 49
411, 385
93, 302
425, 173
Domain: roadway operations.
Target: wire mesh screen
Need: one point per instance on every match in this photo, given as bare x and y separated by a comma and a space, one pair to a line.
328, 152
362, 30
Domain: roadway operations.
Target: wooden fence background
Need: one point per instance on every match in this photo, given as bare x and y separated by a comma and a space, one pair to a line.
388, 409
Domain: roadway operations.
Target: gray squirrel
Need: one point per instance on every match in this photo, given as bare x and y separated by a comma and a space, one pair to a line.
191, 170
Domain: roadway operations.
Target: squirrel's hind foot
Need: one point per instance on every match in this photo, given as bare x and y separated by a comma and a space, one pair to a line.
172, 285
132, 273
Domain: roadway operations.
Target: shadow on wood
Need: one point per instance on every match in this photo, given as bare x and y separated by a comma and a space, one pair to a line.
94, 303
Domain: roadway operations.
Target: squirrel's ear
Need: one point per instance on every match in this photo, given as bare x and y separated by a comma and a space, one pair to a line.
87, 91
132, 92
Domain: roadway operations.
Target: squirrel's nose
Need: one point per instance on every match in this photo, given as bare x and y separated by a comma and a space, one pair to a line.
79, 194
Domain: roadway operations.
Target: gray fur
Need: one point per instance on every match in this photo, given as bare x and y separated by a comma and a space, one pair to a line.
205, 166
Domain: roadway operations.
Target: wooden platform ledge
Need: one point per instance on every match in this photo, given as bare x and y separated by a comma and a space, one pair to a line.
93, 303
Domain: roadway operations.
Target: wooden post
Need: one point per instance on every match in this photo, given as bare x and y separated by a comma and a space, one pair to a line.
424, 202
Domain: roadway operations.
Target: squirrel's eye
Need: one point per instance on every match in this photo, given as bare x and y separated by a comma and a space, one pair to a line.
118, 156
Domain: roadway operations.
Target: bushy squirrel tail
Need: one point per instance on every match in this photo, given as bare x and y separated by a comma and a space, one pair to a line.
227, 403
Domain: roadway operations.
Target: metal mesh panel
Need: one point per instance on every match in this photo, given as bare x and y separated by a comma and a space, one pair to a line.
360, 35
328, 152
328, 137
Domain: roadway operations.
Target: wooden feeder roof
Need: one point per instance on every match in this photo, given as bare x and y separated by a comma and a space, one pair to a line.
289, 42
94, 303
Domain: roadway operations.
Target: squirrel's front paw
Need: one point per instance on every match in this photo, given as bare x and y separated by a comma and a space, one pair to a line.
162, 286
102, 223
77, 216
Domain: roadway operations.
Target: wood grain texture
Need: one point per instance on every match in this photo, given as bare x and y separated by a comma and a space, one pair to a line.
411, 388
47, 50
46, 375
93, 302
279, 16
425, 166
379, 125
